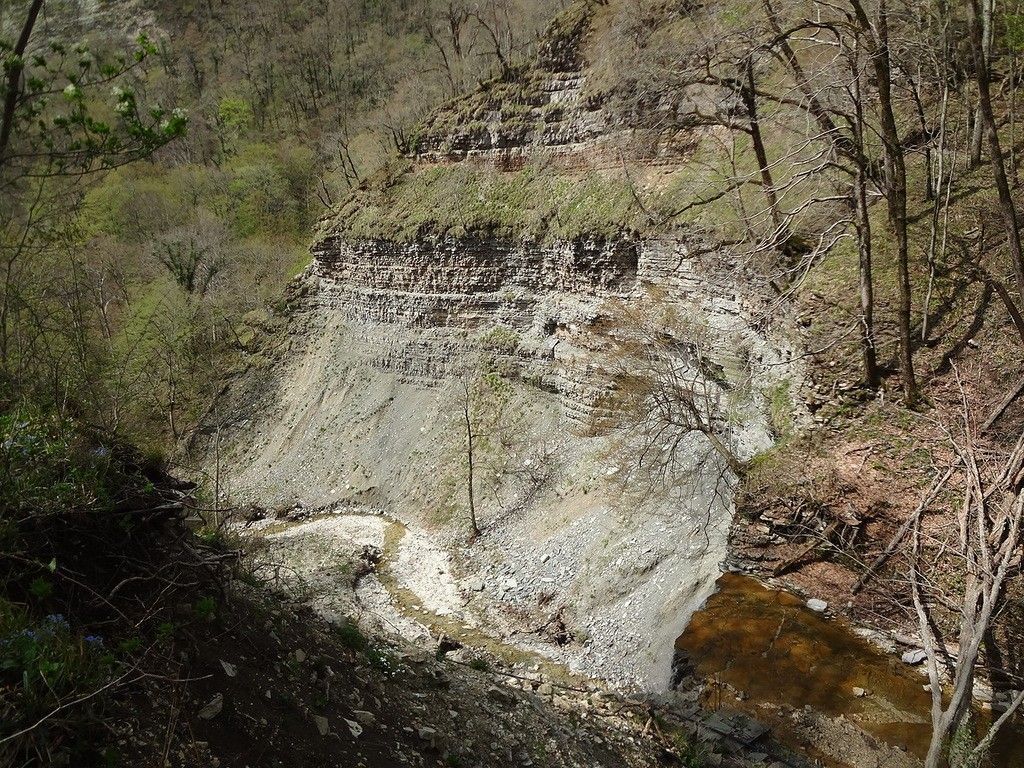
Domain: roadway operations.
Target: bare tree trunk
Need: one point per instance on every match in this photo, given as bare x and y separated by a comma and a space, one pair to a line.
14, 72
867, 291
986, 52
817, 110
216, 479
863, 226
172, 401
469, 457
937, 205
748, 94
1013, 106
1007, 206
981, 549
895, 182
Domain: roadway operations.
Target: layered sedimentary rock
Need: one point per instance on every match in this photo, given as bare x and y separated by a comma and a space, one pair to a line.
547, 111
468, 282
364, 409
367, 404
424, 305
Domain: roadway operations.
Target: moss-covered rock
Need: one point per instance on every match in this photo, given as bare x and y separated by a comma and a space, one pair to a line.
533, 203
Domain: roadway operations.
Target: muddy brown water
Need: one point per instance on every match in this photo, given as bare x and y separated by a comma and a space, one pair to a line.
768, 644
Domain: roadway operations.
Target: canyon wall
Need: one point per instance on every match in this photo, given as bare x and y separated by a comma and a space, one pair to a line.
610, 524
363, 409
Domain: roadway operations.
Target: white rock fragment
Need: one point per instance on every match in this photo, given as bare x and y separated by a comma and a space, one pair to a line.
354, 728
213, 707
914, 657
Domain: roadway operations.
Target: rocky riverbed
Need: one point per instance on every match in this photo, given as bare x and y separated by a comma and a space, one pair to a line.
360, 564
502, 586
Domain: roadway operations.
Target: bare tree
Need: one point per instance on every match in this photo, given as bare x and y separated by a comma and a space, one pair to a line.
668, 391
471, 436
959, 575
193, 255
844, 127
982, 11
488, 419
980, 17
875, 31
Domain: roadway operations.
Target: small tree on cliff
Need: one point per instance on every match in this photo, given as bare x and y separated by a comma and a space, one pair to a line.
484, 400
471, 436
668, 401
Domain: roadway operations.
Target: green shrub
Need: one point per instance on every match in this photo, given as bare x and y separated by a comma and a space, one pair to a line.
382, 660
47, 467
205, 608
780, 410
81, 518
351, 636
44, 664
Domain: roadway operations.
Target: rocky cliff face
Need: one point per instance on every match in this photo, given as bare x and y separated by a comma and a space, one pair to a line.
547, 110
394, 344
365, 411
541, 107
469, 283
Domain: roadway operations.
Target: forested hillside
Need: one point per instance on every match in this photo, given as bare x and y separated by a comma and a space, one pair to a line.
158, 259
374, 372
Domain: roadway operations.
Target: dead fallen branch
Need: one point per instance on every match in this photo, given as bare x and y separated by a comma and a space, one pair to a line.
901, 534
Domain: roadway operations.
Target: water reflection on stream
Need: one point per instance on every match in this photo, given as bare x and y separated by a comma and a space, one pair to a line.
769, 645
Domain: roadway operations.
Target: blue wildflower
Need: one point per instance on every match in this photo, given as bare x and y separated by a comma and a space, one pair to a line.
57, 620
17, 639
93, 640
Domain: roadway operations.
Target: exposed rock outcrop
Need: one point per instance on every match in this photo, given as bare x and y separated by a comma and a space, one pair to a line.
390, 341
365, 409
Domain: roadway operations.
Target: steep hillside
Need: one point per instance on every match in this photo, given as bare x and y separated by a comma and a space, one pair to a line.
559, 341
516, 300
644, 391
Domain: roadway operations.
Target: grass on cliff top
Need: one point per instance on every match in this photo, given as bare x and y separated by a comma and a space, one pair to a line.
533, 203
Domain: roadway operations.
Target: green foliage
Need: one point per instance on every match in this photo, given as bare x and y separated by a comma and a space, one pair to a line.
81, 521
68, 120
45, 466
40, 588
534, 203
205, 608
352, 637
43, 664
269, 190
382, 660
1013, 31
234, 114
188, 252
234, 119
500, 339
691, 753
55, 482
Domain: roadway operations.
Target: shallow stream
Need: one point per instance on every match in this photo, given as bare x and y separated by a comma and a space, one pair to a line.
767, 644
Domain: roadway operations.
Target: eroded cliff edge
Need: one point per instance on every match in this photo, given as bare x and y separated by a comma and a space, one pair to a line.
527, 314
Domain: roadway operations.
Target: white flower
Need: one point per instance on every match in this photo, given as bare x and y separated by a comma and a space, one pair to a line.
71, 90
